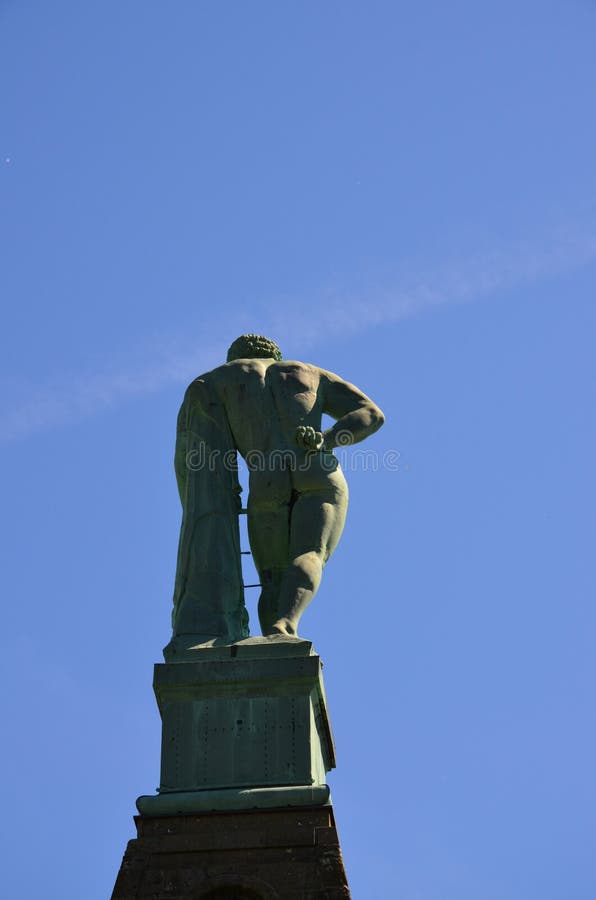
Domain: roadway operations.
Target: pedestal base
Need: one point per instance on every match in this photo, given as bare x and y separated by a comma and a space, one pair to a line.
243, 726
184, 802
243, 809
285, 854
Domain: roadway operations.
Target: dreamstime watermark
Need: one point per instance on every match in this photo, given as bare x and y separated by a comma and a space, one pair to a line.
288, 460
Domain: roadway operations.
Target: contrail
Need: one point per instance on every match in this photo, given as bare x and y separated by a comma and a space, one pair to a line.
477, 278
65, 400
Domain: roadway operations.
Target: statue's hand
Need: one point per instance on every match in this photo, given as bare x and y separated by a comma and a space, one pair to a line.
309, 438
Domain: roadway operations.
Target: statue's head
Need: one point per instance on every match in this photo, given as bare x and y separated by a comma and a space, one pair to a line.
253, 346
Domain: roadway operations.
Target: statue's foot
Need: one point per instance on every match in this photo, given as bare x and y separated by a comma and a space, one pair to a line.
283, 626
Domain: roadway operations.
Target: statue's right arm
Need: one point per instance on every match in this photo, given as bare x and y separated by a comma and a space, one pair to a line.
356, 415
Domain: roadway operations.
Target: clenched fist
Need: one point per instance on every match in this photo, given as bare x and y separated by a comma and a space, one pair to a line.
309, 438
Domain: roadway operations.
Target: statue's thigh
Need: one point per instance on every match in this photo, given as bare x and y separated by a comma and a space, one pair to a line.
269, 533
269, 501
317, 522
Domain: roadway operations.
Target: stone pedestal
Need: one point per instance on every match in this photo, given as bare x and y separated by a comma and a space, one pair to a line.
243, 810
286, 854
243, 726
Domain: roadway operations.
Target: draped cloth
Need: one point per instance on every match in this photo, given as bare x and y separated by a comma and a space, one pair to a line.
208, 592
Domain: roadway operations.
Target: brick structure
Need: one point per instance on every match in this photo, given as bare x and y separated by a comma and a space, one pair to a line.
277, 854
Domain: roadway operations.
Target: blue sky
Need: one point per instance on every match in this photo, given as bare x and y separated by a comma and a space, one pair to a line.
402, 193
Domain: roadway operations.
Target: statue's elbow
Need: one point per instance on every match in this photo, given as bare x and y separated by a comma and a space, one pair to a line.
378, 418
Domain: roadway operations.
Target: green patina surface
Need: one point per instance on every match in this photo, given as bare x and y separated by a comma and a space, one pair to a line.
186, 803
242, 730
244, 720
269, 410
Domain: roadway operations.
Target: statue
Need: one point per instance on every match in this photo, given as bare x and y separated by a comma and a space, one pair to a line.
269, 410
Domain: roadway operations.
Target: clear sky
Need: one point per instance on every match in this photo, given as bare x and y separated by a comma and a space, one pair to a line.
404, 193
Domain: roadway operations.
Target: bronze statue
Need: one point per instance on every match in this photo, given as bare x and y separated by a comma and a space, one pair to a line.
269, 410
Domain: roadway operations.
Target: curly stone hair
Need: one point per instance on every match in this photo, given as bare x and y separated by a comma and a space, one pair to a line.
253, 346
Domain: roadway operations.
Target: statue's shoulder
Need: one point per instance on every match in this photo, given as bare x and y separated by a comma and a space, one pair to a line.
206, 386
